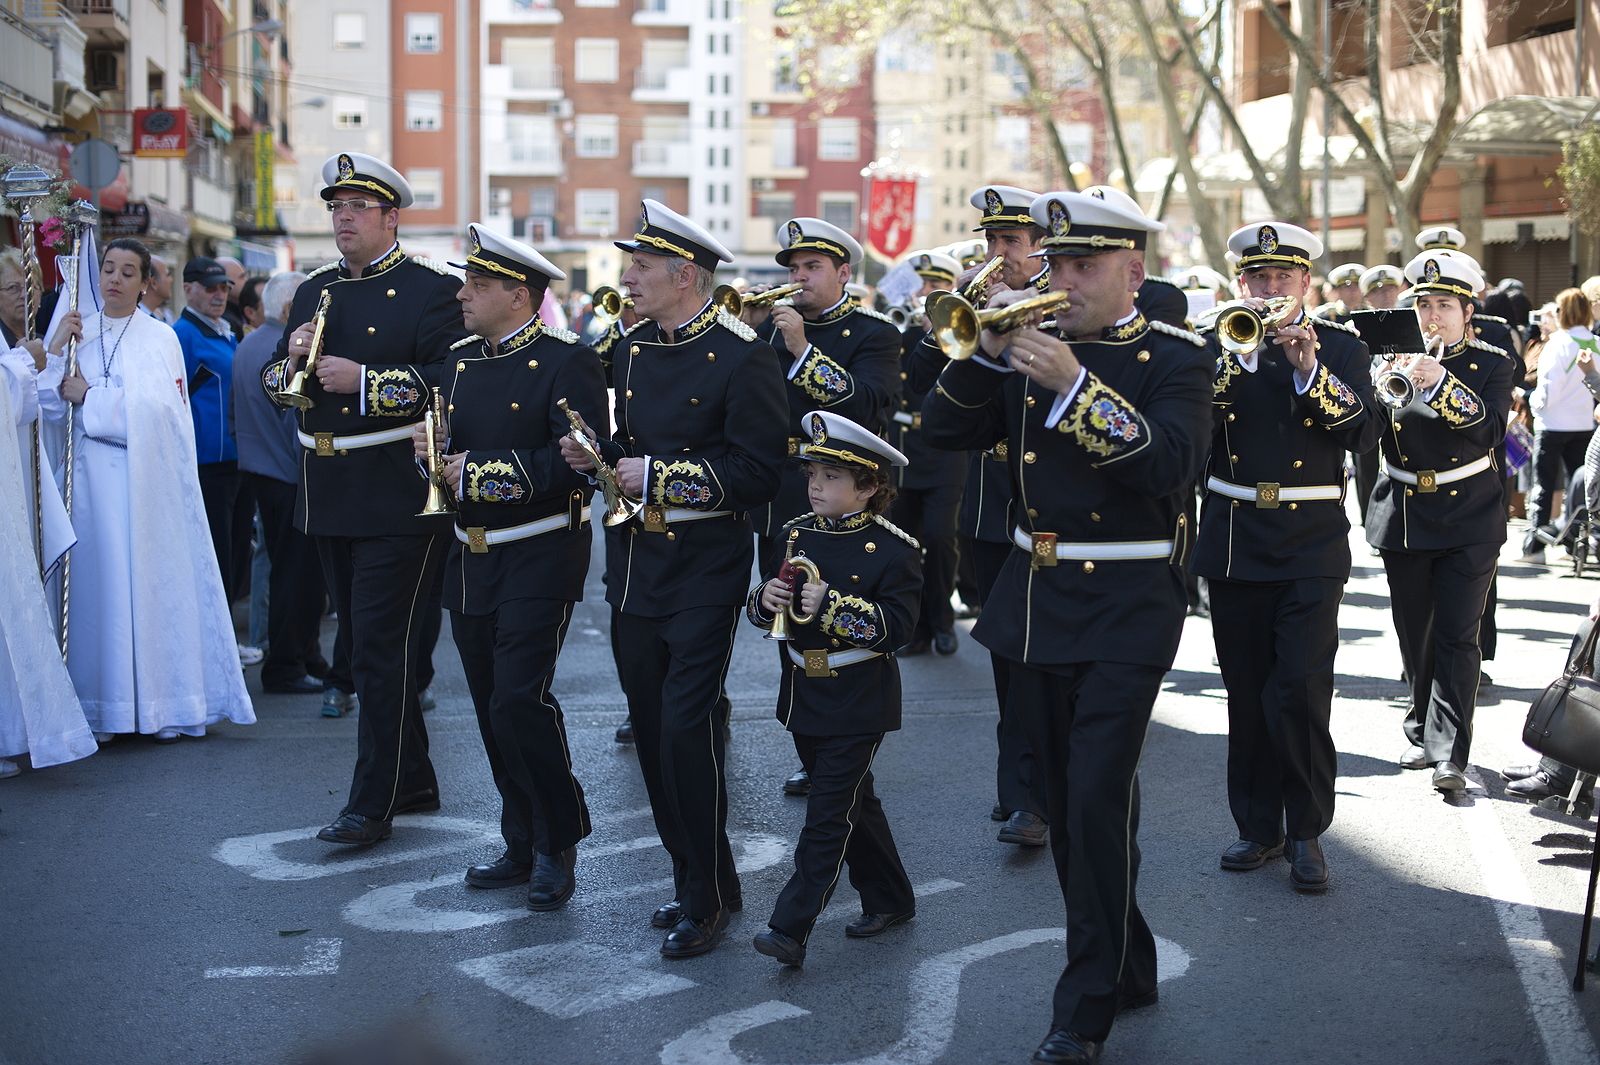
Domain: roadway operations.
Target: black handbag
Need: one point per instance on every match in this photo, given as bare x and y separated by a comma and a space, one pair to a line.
1564, 721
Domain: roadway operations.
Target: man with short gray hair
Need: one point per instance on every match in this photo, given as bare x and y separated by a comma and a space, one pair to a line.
269, 459
157, 299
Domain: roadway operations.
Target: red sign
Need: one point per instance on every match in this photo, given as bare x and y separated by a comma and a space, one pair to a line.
160, 133
891, 215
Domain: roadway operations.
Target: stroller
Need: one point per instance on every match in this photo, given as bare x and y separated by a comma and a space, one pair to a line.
1574, 528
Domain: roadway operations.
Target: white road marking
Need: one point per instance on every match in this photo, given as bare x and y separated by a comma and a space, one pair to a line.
569, 980
1544, 976
321, 959
257, 855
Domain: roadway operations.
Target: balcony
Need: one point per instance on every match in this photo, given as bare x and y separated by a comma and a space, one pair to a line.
26, 63
523, 82
104, 21
521, 12
512, 158
663, 85
663, 12
670, 159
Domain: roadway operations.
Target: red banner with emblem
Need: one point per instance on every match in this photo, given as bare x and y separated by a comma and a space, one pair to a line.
891, 215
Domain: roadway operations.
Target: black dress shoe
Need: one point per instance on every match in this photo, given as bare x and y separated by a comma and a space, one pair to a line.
799, 784
875, 924
915, 647
1024, 829
1518, 772
419, 802
303, 685
1062, 1047
998, 813
624, 732
774, 944
553, 880
1540, 785
669, 914
690, 937
355, 830
1308, 869
945, 643
1247, 854
502, 872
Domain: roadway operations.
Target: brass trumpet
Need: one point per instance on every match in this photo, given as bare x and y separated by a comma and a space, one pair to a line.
439, 496
1394, 387
903, 315
296, 394
620, 507
956, 324
794, 572
609, 302
1241, 329
727, 297
976, 291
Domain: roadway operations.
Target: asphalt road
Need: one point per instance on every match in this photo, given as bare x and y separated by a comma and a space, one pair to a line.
168, 905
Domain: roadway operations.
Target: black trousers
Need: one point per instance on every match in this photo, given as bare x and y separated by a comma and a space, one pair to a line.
1437, 598
1366, 479
929, 514
673, 670
432, 623
1556, 455
844, 826
510, 660
1275, 644
219, 492
296, 591
1017, 783
966, 574
1087, 725
380, 586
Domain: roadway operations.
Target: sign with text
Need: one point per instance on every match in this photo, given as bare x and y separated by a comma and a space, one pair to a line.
160, 133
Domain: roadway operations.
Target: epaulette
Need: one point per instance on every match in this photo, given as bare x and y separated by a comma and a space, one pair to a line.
1331, 324
792, 522
735, 326
324, 268
1484, 345
870, 313
566, 336
640, 324
1489, 318
432, 264
1182, 334
892, 527
464, 341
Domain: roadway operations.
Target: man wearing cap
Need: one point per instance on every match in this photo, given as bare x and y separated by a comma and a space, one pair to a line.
208, 343
1345, 280
1274, 546
1380, 287
1487, 327
928, 490
1107, 419
835, 353
1437, 514
699, 439
521, 549
389, 320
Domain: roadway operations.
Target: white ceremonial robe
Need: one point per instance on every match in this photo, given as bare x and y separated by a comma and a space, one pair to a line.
39, 711
150, 641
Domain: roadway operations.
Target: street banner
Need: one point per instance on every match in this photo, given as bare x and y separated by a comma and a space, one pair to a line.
160, 132
891, 215
266, 196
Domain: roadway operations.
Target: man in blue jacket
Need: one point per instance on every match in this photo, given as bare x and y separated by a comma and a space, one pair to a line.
208, 346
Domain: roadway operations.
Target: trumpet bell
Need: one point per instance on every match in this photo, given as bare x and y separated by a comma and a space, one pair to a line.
954, 325
608, 302
295, 395
1395, 390
437, 502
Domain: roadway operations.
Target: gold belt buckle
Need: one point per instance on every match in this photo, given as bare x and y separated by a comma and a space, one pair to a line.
916, 419
1044, 549
477, 541
655, 518
1267, 495
324, 445
816, 663
1427, 480
1000, 450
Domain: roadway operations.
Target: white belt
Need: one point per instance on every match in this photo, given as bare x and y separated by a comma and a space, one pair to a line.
656, 519
1429, 480
1267, 495
325, 444
479, 540
818, 664
911, 418
1041, 544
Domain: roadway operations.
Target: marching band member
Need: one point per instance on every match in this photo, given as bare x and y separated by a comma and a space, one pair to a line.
521, 549
928, 489
1380, 287
1107, 417
1274, 545
699, 440
1487, 327
389, 319
1345, 280
841, 685
1437, 514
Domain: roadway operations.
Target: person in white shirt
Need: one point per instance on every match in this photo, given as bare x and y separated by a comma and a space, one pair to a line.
1563, 415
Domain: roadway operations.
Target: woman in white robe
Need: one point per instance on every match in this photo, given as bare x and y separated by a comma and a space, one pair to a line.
39, 711
150, 644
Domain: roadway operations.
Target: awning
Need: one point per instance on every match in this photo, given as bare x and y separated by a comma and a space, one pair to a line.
1542, 227
24, 143
146, 220
1525, 125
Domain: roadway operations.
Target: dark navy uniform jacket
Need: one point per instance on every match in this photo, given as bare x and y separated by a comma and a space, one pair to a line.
926, 467
985, 512
398, 320
1264, 433
1463, 423
874, 575
709, 412
501, 411
1117, 468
